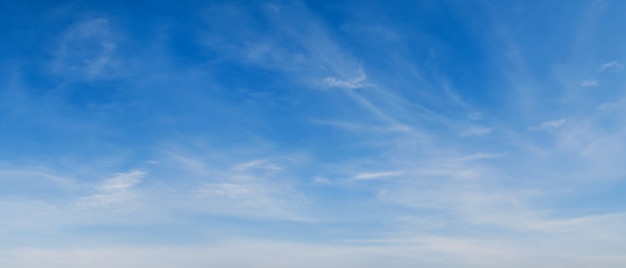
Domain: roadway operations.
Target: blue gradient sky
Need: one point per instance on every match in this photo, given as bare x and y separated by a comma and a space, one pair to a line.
310, 134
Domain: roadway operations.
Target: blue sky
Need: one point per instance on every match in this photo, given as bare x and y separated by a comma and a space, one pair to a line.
312, 134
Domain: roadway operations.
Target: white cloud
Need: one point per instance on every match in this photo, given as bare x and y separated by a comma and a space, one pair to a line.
252, 199
376, 175
87, 50
459, 101
115, 191
300, 45
350, 83
189, 164
224, 185
612, 66
259, 164
321, 180
36, 175
476, 131
589, 83
478, 156
551, 124
475, 115
122, 181
606, 106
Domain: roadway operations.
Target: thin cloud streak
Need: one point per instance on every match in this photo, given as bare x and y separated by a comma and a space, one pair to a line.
612, 66
376, 175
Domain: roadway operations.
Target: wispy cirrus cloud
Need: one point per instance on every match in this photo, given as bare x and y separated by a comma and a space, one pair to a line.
249, 189
479, 156
551, 124
116, 191
351, 83
88, 50
613, 66
376, 175
476, 131
605, 106
589, 83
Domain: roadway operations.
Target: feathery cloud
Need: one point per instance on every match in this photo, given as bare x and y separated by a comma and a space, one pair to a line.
551, 124
613, 66
476, 131
589, 83
376, 175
